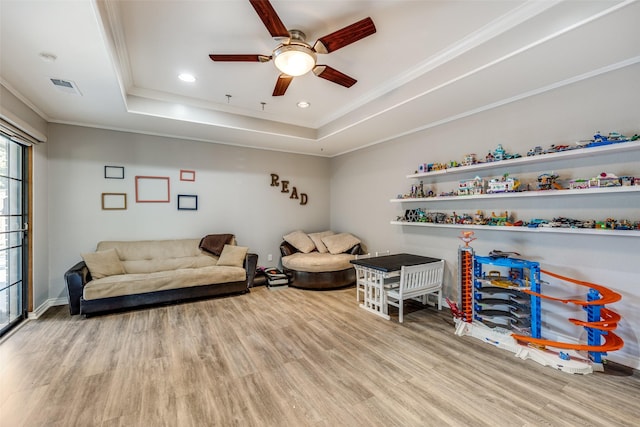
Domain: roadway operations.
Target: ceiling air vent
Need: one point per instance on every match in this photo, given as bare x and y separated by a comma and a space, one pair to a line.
66, 86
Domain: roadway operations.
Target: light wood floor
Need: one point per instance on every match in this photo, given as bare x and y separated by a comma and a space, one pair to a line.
288, 358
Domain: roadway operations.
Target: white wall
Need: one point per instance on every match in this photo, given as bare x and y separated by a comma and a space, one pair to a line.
363, 182
232, 185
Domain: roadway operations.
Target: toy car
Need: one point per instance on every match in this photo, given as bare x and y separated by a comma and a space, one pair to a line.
535, 151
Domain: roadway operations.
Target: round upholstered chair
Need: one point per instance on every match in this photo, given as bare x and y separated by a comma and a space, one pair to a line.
316, 270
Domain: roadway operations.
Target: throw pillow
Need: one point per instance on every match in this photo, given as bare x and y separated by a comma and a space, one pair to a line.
300, 240
339, 243
316, 238
103, 263
233, 256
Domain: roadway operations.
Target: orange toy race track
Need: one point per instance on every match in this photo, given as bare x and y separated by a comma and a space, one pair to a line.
609, 319
607, 295
611, 342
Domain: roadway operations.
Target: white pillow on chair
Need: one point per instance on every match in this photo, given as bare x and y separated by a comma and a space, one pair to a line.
300, 240
317, 240
339, 243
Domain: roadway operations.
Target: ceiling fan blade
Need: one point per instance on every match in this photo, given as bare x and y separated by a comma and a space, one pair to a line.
341, 38
240, 58
334, 75
270, 18
282, 84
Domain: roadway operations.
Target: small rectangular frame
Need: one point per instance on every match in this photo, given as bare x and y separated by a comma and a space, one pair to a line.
114, 201
187, 202
114, 172
152, 189
186, 175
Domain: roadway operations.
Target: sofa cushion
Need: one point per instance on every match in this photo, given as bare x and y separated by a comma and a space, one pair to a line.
233, 256
300, 240
131, 284
142, 266
103, 263
316, 238
153, 249
339, 243
148, 256
315, 262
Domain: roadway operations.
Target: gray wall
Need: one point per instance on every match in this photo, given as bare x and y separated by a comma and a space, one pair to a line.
363, 182
232, 185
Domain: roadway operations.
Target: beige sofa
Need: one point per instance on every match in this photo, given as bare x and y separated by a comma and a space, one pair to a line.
319, 260
125, 274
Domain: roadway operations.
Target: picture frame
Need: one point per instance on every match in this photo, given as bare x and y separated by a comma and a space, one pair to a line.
152, 189
114, 201
114, 172
187, 202
187, 175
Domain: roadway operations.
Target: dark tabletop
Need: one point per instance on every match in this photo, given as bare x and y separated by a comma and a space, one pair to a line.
393, 262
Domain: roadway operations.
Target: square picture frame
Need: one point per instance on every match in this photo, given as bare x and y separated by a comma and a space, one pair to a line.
114, 201
187, 175
152, 189
114, 172
187, 202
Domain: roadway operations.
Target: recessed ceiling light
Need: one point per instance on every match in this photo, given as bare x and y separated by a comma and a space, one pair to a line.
303, 104
186, 77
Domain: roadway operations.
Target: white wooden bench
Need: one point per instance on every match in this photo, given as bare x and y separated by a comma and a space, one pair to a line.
416, 282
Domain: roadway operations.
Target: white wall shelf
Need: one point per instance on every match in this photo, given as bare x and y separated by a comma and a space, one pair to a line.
620, 191
534, 193
580, 231
541, 158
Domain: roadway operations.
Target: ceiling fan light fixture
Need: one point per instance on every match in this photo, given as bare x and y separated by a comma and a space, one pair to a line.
294, 60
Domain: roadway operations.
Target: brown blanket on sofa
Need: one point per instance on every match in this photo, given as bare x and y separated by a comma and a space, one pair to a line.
214, 243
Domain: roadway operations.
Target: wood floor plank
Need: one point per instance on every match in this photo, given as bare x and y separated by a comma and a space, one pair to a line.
288, 358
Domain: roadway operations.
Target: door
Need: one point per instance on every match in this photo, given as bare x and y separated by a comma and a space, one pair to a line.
13, 224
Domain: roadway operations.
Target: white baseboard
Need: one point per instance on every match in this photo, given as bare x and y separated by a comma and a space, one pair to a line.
51, 302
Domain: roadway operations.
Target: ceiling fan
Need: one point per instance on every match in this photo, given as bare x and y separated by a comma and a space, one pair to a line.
294, 56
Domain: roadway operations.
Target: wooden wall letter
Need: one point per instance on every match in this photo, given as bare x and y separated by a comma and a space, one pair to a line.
276, 182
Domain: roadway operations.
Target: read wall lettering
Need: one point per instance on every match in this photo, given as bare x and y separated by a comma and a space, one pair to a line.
284, 188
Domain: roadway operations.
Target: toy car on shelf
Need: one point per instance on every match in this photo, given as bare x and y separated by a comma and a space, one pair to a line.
535, 151
624, 224
567, 222
536, 222
558, 148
